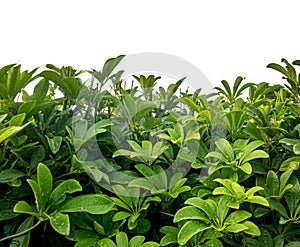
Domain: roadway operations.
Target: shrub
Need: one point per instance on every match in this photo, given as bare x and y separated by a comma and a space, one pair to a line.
133, 166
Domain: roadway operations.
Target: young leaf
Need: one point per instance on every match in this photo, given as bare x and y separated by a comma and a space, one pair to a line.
17, 120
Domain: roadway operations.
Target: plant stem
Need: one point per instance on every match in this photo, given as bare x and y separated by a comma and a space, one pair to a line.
21, 233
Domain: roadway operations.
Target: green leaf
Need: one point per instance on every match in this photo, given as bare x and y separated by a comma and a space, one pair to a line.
145, 170
11, 130
58, 195
25, 208
201, 204
17, 120
293, 244
93, 204
136, 241
105, 242
2, 117
60, 223
272, 184
40, 90
122, 239
256, 154
284, 179
211, 234
54, 143
221, 191
252, 228
109, 66
10, 175
189, 102
225, 148
213, 243
121, 215
123, 194
247, 168
37, 194
237, 216
253, 190
296, 148
235, 228
276, 205
23, 240
44, 178
258, 200
279, 68
190, 213
142, 183
80, 129
292, 163
189, 229
278, 241
170, 237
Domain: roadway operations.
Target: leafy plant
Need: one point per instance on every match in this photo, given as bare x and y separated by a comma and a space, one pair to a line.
52, 203
236, 156
98, 163
209, 214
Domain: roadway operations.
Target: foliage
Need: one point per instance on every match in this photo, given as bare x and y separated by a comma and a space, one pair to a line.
112, 165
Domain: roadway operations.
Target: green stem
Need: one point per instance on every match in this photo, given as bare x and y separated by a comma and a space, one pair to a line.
21, 233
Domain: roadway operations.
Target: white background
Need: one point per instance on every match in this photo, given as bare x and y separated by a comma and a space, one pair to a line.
223, 38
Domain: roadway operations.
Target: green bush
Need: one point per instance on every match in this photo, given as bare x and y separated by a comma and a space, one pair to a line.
145, 166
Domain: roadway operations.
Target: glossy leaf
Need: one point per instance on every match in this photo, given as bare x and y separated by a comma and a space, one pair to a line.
93, 204
60, 223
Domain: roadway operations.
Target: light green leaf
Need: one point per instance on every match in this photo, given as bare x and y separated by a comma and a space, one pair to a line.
17, 120
296, 148
122, 239
93, 204
252, 228
258, 200
225, 148
247, 168
54, 143
190, 213
136, 241
105, 242
237, 216
201, 204
235, 228
25, 208
189, 229
256, 154
60, 223
121, 215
